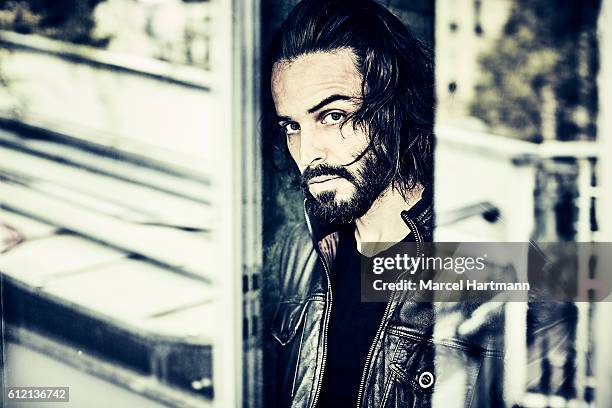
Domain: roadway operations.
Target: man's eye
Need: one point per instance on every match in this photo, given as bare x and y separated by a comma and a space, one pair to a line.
290, 128
333, 118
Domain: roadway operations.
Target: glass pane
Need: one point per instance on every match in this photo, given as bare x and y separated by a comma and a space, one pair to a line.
121, 265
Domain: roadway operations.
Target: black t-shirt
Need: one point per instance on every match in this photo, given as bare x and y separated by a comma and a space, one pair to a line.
352, 327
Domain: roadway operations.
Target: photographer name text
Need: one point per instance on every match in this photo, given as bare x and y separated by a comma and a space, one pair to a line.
461, 285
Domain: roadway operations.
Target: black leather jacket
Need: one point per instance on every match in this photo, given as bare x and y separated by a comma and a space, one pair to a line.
424, 354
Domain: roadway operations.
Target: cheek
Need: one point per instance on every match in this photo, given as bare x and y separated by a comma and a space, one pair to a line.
350, 142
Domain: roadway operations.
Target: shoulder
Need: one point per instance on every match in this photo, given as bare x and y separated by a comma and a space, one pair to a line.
293, 239
297, 261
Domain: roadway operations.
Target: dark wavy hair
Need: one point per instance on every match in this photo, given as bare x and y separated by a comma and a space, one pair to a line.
397, 88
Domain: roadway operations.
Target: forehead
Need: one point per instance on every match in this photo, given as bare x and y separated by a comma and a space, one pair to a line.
303, 82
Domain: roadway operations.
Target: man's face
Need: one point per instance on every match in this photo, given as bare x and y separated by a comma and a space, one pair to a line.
314, 95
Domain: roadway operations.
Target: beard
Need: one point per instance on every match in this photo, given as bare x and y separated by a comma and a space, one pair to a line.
332, 212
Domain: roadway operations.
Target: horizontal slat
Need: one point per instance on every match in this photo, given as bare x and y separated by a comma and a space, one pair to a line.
92, 362
198, 323
70, 365
131, 291
513, 149
184, 252
112, 166
35, 262
98, 281
182, 75
108, 195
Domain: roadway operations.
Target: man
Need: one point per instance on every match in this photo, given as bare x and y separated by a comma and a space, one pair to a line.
353, 95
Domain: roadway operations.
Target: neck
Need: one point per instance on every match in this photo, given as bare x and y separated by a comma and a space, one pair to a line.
381, 224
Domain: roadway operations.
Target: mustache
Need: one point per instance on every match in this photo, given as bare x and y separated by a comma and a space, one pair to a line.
324, 170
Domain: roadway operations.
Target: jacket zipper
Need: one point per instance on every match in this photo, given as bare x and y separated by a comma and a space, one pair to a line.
417, 235
325, 318
383, 322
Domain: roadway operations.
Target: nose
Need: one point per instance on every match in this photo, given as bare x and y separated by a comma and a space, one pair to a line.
312, 147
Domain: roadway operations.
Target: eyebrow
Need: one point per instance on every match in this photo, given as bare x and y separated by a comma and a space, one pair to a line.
328, 100
318, 106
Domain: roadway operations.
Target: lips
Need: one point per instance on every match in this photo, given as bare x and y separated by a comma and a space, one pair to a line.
322, 179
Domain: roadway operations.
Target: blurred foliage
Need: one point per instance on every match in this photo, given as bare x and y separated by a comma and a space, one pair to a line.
546, 45
66, 20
